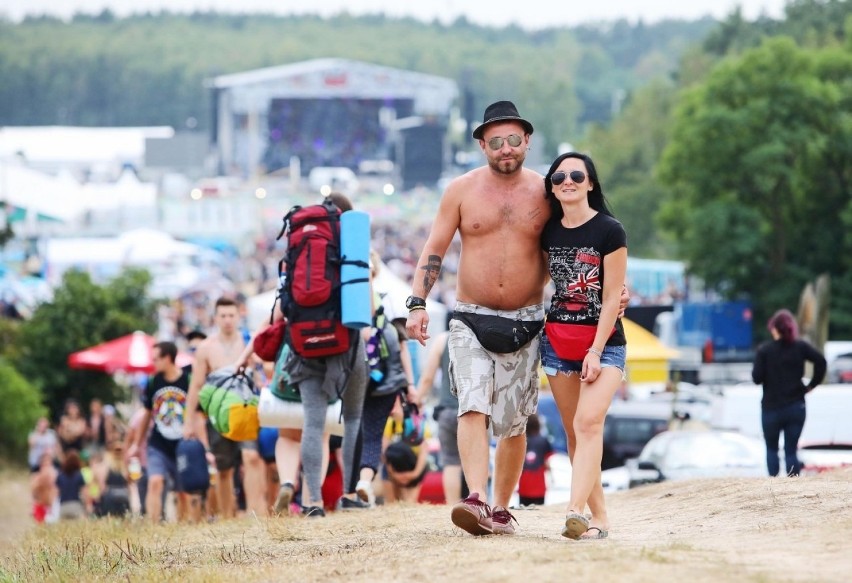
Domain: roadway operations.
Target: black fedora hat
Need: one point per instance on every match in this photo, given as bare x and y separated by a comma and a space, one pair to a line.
501, 111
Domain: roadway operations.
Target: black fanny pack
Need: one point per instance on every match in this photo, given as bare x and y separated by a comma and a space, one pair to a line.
498, 334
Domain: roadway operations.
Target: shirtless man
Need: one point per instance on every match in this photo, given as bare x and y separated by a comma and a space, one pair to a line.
221, 349
499, 211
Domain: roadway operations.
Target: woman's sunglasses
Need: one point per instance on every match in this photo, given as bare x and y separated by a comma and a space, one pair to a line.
576, 176
497, 143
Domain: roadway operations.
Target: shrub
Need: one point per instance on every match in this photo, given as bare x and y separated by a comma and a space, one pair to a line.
21, 409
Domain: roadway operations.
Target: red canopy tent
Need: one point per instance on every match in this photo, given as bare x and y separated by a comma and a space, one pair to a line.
131, 353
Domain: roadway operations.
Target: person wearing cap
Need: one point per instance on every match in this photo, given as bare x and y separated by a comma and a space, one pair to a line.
499, 210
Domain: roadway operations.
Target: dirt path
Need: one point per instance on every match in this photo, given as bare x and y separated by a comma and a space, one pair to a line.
717, 530
15, 507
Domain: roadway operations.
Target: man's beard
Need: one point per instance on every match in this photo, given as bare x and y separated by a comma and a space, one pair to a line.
507, 166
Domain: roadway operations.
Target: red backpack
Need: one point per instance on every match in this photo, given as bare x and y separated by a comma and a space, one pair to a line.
310, 296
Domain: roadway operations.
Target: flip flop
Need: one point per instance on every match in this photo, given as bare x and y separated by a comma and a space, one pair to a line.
575, 526
594, 536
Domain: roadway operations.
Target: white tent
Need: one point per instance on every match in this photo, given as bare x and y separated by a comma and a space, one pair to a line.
60, 146
104, 256
259, 307
61, 197
38, 192
126, 192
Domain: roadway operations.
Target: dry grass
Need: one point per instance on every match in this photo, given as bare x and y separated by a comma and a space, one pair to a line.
717, 530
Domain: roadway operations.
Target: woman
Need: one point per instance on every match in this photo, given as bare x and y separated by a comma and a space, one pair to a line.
72, 487
72, 427
583, 349
779, 366
388, 377
113, 481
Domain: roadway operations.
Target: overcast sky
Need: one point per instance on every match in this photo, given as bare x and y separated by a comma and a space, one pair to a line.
526, 13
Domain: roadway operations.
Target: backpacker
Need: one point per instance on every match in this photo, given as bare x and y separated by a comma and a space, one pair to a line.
310, 298
230, 402
383, 358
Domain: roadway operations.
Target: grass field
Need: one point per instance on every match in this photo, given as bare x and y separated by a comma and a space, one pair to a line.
757, 530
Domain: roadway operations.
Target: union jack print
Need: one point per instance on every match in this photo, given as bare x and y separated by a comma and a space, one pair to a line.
588, 280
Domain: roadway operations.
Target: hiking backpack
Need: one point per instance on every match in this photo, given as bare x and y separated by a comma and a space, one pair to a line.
310, 271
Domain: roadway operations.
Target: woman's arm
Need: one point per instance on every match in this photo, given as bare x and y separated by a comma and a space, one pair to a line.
758, 370
820, 366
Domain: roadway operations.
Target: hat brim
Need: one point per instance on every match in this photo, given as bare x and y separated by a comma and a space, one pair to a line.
477, 133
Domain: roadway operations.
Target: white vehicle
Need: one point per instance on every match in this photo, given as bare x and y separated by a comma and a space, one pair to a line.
683, 455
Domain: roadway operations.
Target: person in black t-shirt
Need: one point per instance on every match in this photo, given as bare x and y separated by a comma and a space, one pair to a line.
779, 366
165, 401
583, 349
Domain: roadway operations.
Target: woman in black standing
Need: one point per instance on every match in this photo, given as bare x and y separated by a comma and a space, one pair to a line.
779, 366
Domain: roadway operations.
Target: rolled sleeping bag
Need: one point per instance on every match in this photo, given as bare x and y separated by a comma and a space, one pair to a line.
355, 247
275, 412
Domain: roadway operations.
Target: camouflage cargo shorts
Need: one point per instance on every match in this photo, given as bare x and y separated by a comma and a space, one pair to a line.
502, 386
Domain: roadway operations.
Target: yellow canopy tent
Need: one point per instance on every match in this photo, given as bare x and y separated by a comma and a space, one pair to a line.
647, 357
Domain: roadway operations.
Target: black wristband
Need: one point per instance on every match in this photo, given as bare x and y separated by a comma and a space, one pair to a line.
413, 302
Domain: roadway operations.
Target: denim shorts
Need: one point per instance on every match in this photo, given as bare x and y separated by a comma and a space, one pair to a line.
612, 356
161, 464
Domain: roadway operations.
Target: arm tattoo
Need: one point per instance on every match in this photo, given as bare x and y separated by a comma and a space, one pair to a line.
432, 270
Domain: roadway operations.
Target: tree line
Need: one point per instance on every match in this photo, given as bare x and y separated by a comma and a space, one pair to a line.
150, 69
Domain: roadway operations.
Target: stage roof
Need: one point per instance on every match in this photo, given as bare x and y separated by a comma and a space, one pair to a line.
337, 78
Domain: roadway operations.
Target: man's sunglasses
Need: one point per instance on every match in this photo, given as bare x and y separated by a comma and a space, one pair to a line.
497, 143
576, 176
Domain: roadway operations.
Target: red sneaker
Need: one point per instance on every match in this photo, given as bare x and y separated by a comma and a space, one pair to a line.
502, 521
472, 515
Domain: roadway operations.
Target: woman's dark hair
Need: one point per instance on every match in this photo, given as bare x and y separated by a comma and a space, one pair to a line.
785, 324
72, 463
596, 196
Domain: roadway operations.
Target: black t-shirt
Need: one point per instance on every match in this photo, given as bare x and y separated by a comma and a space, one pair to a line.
577, 268
780, 366
167, 402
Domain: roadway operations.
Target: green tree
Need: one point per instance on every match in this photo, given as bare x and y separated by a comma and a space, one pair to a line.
625, 154
758, 167
22, 407
81, 315
9, 332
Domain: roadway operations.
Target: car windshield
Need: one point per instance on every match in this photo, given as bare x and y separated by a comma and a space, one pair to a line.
708, 450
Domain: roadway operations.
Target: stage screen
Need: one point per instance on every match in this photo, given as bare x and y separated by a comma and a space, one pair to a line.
331, 132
